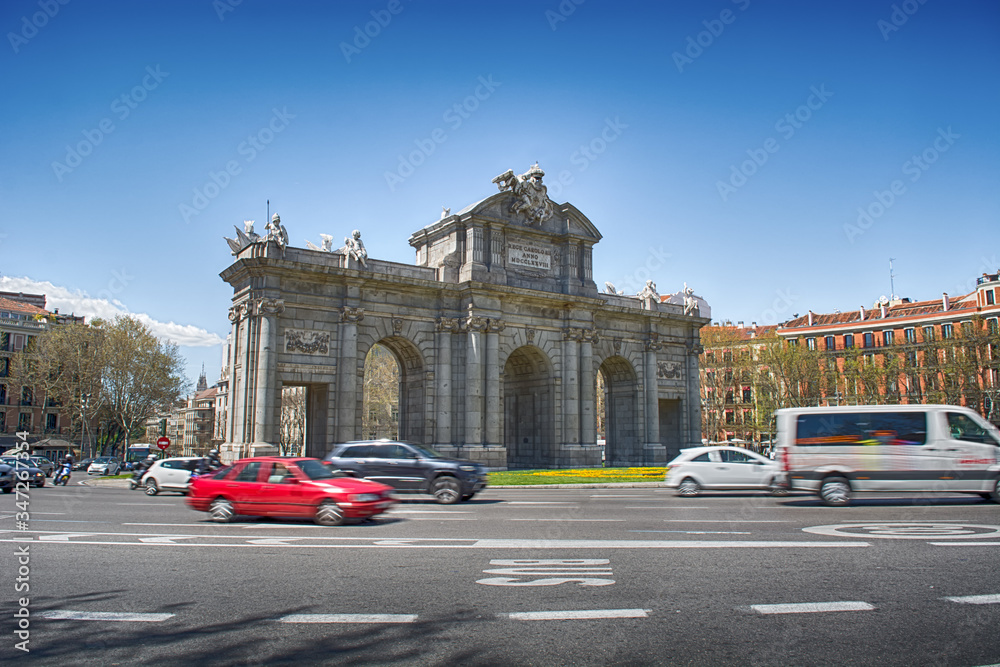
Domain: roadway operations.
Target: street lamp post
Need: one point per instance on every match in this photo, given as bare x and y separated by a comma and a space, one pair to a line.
84, 404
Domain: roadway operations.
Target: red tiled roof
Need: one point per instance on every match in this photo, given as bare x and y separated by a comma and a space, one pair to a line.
747, 333
20, 307
910, 309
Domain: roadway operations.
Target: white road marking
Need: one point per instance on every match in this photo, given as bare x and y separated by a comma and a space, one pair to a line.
348, 618
565, 519
146, 504
541, 502
695, 532
169, 539
975, 599
726, 521
905, 530
63, 537
64, 615
576, 615
429, 512
965, 544
810, 607
632, 496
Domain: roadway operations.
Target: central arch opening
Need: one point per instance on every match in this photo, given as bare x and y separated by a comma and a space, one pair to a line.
529, 424
620, 393
393, 398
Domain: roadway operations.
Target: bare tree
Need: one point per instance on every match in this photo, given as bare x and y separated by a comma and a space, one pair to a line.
292, 432
380, 407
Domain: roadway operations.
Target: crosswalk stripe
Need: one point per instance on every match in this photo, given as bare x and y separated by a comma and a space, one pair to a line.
975, 599
576, 615
348, 618
66, 615
810, 607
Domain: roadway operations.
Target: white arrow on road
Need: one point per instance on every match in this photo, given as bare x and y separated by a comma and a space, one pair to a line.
275, 541
167, 539
62, 537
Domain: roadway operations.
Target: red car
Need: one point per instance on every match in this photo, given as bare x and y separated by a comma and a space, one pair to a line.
292, 487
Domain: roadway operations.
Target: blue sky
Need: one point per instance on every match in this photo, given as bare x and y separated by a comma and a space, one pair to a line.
729, 145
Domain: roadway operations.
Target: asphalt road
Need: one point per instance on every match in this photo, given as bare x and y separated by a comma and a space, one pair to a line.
608, 576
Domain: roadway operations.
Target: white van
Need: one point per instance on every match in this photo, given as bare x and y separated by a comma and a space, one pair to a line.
835, 451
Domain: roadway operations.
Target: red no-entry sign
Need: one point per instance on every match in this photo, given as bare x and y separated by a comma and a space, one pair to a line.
163, 442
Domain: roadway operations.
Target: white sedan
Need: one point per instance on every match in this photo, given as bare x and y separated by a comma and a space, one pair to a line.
173, 474
104, 465
724, 468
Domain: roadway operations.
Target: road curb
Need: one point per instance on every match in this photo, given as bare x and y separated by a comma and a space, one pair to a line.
106, 483
605, 485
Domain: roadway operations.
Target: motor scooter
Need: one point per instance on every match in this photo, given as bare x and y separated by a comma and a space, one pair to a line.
62, 477
136, 481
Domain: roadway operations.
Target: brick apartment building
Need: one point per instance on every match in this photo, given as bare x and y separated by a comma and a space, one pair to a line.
944, 350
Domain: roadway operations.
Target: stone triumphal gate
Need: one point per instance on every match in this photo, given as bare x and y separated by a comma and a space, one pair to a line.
499, 332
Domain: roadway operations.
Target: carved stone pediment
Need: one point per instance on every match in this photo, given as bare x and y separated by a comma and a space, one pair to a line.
302, 341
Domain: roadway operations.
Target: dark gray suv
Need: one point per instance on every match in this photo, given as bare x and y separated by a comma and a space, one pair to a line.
410, 468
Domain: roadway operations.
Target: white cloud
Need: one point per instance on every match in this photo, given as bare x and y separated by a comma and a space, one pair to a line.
79, 302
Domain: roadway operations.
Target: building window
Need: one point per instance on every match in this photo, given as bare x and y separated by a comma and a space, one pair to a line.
848, 341
869, 340
4, 367
928, 333
947, 331
18, 342
24, 421
831, 343
811, 343
50, 422
730, 418
990, 299
887, 337
3, 422
793, 342
991, 326
910, 335
4, 341
747, 395
3, 394
25, 395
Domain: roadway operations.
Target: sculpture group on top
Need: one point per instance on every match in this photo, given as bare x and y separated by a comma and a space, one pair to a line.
247, 236
531, 196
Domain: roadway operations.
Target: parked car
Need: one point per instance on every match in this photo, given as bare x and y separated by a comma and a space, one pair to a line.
104, 465
18, 464
43, 464
171, 474
837, 451
21, 467
82, 464
291, 487
7, 480
724, 468
410, 468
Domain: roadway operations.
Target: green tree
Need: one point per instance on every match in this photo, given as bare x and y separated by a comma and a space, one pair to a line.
140, 374
380, 406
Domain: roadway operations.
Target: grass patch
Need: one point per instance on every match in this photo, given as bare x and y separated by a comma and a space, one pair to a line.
578, 476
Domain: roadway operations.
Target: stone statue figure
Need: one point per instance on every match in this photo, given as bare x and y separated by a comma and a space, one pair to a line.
531, 196
690, 303
276, 232
445, 212
243, 238
327, 245
609, 288
649, 291
355, 247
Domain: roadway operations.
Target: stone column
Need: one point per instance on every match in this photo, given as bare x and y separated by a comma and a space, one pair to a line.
652, 392
692, 409
474, 379
347, 374
588, 389
445, 327
571, 386
265, 428
494, 327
